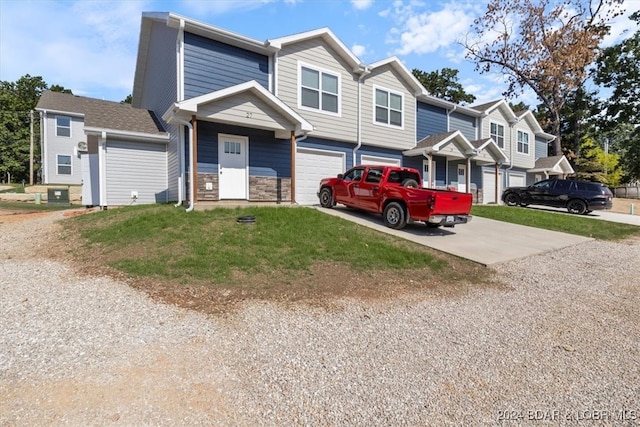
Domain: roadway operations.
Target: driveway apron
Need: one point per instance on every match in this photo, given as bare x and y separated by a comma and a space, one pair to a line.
484, 241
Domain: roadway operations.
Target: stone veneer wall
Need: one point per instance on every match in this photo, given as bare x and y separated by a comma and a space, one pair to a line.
269, 189
261, 188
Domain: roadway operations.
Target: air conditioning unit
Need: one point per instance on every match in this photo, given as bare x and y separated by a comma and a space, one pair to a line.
82, 146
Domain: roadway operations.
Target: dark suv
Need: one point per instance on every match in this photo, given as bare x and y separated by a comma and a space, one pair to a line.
578, 197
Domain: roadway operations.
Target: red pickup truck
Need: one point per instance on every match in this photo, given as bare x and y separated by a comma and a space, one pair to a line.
394, 192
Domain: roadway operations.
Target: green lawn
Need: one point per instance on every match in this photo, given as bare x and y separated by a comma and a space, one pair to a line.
558, 221
210, 245
30, 206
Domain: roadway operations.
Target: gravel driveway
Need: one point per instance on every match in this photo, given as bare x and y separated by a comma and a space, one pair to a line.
561, 346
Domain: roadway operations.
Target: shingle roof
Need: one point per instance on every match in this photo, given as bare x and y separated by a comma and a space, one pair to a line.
547, 162
485, 106
433, 140
103, 114
479, 142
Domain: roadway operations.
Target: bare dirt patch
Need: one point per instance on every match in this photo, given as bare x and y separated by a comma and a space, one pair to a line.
624, 205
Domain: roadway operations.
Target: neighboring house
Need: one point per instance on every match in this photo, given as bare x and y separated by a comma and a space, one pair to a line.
265, 121
118, 153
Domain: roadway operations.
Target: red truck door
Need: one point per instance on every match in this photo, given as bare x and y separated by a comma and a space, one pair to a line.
345, 191
369, 189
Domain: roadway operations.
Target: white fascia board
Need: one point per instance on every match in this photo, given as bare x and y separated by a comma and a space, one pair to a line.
62, 113
219, 34
327, 35
456, 136
397, 64
164, 138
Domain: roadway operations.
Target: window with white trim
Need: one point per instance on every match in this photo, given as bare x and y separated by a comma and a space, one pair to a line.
523, 142
63, 126
388, 107
497, 134
63, 164
319, 90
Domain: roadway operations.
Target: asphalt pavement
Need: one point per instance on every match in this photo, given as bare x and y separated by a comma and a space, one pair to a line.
482, 240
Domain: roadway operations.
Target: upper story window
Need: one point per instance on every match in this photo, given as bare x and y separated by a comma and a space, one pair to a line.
497, 134
523, 142
63, 164
388, 107
63, 126
319, 90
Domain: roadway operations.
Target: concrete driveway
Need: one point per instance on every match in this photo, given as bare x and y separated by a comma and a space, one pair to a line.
484, 241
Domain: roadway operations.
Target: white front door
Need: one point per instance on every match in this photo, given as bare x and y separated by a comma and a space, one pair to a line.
425, 173
462, 178
232, 173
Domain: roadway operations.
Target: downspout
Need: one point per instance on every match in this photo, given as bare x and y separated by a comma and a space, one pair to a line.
43, 148
179, 96
364, 70
192, 196
448, 114
102, 161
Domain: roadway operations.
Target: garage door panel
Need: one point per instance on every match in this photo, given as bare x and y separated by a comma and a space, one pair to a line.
517, 181
374, 160
311, 167
489, 187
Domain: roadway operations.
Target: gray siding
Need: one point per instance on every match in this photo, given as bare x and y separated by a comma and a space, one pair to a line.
210, 65
380, 135
431, 120
136, 166
65, 146
160, 91
463, 123
542, 148
316, 54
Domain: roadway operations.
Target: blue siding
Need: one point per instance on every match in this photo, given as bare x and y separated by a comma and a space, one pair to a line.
210, 65
463, 123
476, 175
378, 152
452, 175
430, 120
268, 156
542, 148
413, 162
440, 170
326, 144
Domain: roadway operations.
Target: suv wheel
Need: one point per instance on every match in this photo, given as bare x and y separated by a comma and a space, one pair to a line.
512, 199
576, 206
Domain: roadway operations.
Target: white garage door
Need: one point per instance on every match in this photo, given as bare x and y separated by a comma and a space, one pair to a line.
489, 187
373, 160
517, 181
311, 167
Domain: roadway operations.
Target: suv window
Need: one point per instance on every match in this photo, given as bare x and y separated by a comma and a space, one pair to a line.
587, 186
562, 185
542, 185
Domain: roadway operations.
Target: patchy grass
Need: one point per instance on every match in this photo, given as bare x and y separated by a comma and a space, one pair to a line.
204, 259
31, 207
558, 221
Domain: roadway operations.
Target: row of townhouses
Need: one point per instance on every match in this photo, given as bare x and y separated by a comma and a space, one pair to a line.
216, 115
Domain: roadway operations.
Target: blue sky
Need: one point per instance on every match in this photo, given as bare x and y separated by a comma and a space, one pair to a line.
90, 47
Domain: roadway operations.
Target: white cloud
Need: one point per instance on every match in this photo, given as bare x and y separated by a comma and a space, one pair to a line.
359, 50
424, 31
622, 27
361, 4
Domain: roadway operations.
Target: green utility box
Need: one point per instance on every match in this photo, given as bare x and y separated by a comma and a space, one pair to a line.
58, 196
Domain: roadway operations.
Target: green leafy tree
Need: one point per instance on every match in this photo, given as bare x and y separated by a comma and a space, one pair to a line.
61, 89
17, 100
544, 45
444, 84
127, 100
618, 68
594, 164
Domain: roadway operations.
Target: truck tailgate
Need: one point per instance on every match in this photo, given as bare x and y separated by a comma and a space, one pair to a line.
451, 202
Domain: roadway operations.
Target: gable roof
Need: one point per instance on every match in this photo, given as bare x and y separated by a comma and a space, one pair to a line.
552, 165
434, 143
404, 72
499, 103
534, 124
189, 107
329, 37
102, 115
490, 146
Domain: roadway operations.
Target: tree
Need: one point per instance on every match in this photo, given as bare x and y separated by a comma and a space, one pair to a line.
618, 68
443, 84
595, 164
17, 99
127, 100
61, 89
543, 45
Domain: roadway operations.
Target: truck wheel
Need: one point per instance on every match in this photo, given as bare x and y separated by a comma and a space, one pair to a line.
576, 206
395, 216
326, 198
411, 183
512, 199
